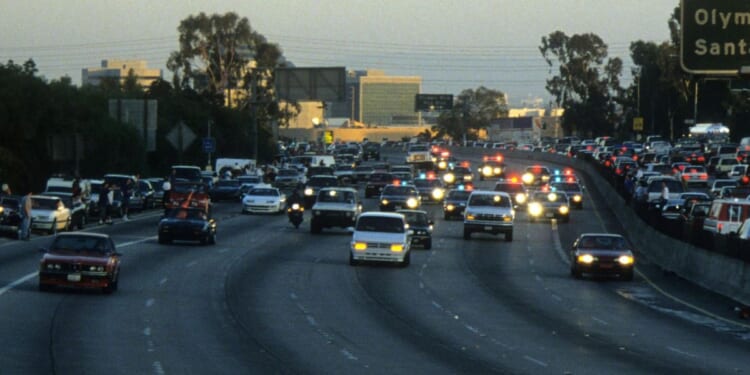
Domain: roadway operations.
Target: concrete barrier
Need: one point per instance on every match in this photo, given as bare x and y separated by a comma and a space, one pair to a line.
714, 271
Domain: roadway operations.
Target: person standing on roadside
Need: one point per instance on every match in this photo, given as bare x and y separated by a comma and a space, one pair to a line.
24, 232
167, 187
5, 190
104, 204
127, 191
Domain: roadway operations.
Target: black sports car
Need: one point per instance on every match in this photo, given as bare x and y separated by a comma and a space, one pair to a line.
10, 218
187, 224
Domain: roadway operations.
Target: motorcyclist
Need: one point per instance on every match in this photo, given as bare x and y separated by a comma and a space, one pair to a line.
295, 197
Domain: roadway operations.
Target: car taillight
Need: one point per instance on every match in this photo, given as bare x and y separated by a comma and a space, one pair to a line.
719, 227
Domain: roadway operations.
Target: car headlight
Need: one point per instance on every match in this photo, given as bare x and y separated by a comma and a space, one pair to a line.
577, 198
470, 216
450, 207
625, 260
295, 206
437, 193
96, 268
520, 198
384, 202
412, 203
442, 164
535, 209
449, 178
564, 210
467, 177
527, 178
316, 213
487, 171
498, 170
397, 247
585, 259
308, 191
359, 246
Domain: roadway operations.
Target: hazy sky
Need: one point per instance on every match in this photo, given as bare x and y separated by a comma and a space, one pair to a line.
452, 45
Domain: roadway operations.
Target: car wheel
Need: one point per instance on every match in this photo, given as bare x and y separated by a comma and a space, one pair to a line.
428, 244
164, 240
82, 221
508, 236
467, 234
406, 261
110, 288
315, 228
575, 273
45, 287
352, 261
627, 276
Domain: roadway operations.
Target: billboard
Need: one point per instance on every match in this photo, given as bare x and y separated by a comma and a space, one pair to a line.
313, 84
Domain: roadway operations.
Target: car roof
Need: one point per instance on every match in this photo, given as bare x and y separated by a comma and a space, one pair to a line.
83, 234
593, 234
393, 215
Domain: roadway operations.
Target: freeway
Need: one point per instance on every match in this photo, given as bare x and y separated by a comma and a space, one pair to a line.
269, 298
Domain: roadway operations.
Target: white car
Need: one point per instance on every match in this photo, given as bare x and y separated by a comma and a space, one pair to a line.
49, 214
380, 237
264, 200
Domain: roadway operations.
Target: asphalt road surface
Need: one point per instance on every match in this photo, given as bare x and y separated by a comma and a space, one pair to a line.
269, 298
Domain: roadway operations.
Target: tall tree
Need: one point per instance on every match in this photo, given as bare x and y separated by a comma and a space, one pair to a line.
472, 110
586, 83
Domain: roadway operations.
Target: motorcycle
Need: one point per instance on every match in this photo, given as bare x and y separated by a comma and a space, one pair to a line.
296, 214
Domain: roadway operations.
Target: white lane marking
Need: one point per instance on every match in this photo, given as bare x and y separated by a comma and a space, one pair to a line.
534, 360
28, 277
311, 320
349, 355
158, 369
150, 302
538, 278
191, 264
437, 305
678, 351
556, 297
472, 329
18, 282
558, 245
163, 281
293, 296
599, 321
147, 331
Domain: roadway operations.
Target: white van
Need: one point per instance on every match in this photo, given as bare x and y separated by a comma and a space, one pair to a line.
726, 215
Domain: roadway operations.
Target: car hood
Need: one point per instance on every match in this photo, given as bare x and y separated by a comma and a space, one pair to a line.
379, 237
490, 210
84, 258
182, 222
259, 199
605, 252
42, 212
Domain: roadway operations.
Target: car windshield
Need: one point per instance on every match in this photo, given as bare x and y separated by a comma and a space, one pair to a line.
44, 203
364, 169
459, 195
416, 218
399, 190
228, 183
323, 181
89, 244
380, 224
510, 188
264, 192
602, 242
188, 188
566, 186
493, 200
550, 197
287, 172
336, 196
381, 177
672, 185
187, 214
427, 183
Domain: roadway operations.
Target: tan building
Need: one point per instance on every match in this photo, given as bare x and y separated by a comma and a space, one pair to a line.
386, 100
119, 70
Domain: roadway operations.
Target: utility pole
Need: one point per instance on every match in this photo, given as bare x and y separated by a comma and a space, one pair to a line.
209, 137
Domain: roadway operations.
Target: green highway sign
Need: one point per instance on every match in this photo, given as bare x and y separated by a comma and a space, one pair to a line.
715, 36
433, 102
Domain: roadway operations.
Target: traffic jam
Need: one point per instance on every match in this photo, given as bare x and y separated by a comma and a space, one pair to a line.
389, 208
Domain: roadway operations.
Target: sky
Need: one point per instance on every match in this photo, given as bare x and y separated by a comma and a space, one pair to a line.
452, 45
